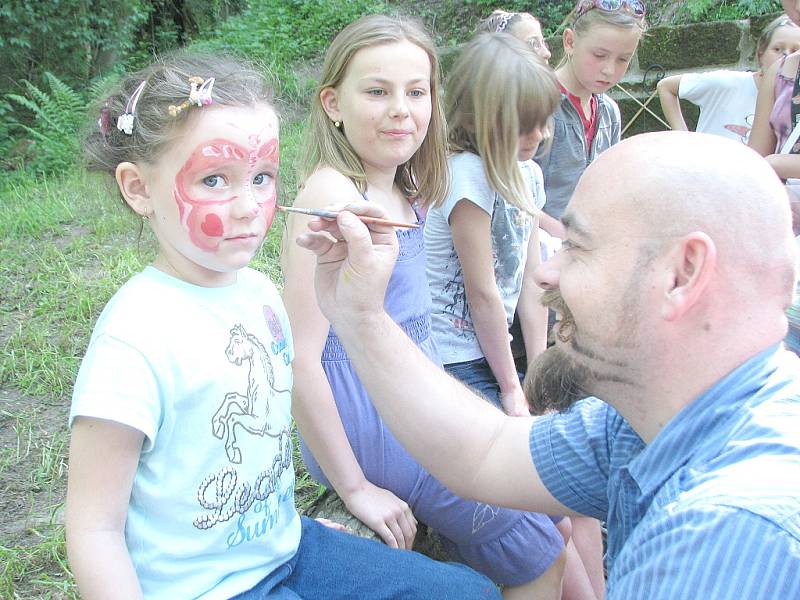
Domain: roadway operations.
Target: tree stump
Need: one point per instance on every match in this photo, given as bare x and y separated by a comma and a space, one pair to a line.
330, 506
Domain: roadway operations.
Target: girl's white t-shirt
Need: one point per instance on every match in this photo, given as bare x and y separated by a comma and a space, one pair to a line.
451, 321
727, 101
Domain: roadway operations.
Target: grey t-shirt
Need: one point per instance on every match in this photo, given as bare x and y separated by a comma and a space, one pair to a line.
511, 229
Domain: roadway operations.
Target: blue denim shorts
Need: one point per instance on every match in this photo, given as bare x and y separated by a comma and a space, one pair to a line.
478, 375
335, 565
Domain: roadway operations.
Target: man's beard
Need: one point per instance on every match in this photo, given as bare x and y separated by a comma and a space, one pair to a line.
555, 381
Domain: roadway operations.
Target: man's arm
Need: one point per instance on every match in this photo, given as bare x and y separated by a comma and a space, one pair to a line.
469, 445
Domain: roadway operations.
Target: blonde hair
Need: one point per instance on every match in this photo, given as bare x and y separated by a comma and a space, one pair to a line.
621, 19
166, 83
424, 176
502, 21
499, 89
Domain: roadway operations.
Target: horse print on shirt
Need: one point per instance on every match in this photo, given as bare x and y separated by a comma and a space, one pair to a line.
249, 410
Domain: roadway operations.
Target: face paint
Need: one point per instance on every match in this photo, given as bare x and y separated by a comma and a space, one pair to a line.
203, 208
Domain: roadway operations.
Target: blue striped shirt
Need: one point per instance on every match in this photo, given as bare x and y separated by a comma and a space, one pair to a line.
711, 508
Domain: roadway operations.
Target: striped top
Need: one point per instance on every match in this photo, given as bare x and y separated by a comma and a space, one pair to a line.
711, 508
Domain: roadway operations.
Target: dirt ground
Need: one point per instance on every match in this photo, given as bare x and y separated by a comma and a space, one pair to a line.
32, 433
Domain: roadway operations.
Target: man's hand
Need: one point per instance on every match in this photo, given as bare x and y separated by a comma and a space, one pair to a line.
354, 262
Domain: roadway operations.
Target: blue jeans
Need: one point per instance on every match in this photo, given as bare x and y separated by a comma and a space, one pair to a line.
333, 565
478, 375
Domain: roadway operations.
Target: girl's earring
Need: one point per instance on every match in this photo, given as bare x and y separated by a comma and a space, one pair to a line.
145, 215
337, 124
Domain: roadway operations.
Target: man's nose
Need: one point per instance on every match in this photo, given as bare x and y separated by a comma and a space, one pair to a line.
546, 275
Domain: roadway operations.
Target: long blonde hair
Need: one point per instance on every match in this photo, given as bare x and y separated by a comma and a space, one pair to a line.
424, 176
499, 89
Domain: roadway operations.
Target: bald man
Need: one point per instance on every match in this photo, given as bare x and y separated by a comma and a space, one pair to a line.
672, 287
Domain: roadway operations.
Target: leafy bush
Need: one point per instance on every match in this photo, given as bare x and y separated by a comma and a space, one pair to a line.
278, 33
57, 117
72, 38
724, 10
455, 22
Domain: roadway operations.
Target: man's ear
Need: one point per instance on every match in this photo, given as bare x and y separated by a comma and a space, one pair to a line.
329, 98
132, 184
691, 264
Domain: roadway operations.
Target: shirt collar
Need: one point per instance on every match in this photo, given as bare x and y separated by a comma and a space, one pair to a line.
678, 441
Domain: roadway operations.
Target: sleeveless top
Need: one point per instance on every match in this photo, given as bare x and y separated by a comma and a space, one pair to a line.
408, 302
780, 117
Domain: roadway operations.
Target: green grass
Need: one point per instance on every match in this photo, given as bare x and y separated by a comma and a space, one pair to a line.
42, 566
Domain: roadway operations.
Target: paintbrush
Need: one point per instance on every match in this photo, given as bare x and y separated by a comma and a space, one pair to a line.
331, 214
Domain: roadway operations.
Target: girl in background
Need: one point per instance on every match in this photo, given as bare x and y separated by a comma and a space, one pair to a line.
727, 99
376, 131
481, 241
181, 483
523, 26
598, 48
776, 118
776, 136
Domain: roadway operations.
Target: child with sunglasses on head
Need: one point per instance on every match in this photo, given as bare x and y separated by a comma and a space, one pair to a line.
181, 482
376, 131
727, 99
598, 47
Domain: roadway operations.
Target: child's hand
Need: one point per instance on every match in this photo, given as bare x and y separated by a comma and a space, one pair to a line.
384, 513
332, 524
515, 404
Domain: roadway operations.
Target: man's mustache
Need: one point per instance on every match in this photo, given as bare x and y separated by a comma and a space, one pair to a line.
553, 300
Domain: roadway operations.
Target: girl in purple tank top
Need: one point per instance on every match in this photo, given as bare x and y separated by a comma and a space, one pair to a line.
773, 122
376, 130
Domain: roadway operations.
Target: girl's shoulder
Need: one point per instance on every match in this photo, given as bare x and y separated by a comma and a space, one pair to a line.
326, 186
464, 160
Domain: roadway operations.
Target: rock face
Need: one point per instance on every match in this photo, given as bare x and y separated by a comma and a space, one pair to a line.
691, 46
330, 506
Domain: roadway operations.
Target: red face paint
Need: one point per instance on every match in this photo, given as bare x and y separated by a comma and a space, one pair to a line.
205, 211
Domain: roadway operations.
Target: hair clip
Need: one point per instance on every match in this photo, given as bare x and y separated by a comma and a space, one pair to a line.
125, 120
199, 95
502, 21
105, 119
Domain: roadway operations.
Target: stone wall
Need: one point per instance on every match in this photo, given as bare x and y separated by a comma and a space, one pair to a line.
680, 49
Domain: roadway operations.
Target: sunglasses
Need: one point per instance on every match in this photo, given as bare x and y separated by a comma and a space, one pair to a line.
635, 7
536, 44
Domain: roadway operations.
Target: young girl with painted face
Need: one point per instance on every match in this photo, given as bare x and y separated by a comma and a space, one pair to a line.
376, 132
598, 48
523, 26
181, 481
727, 99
